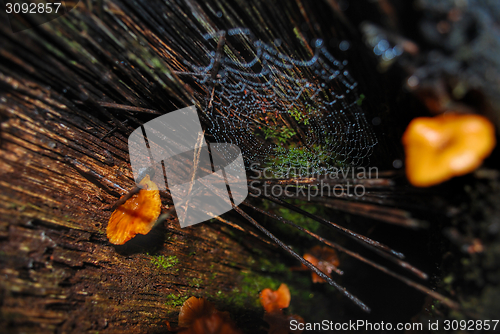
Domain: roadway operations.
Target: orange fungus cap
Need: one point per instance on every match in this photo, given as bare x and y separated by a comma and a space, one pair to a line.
194, 308
199, 316
275, 300
439, 148
324, 258
213, 324
137, 215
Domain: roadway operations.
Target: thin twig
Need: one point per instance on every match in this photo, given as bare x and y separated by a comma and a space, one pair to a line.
308, 264
197, 152
125, 107
445, 300
126, 197
360, 238
401, 263
239, 228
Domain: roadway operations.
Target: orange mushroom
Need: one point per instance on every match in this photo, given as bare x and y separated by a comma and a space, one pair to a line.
212, 324
325, 259
275, 300
195, 308
445, 146
137, 215
199, 316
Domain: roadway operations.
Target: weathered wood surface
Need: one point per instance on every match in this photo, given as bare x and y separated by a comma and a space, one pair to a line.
58, 180
60, 85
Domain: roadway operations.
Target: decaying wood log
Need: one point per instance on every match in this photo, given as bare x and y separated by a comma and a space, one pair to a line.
58, 181
72, 90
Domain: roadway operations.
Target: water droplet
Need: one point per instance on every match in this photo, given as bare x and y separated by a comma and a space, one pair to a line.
377, 51
398, 51
344, 45
383, 45
397, 163
412, 81
388, 55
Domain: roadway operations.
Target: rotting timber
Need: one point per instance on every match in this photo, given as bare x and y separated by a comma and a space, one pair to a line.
59, 178
71, 93
58, 181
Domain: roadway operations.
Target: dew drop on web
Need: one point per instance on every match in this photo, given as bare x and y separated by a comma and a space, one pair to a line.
282, 106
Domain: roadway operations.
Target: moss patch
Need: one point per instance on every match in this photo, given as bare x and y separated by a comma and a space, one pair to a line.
165, 262
176, 300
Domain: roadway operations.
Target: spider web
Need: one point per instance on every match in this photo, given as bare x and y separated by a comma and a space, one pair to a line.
296, 117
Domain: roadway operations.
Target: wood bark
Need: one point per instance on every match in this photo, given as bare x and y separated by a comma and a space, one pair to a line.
59, 272
72, 89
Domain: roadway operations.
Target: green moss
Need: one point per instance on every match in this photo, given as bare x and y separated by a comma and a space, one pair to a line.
360, 100
165, 262
270, 275
246, 295
297, 218
266, 265
300, 116
281, 134
448, 279
300, 219
294, 161
176, 300
196, 282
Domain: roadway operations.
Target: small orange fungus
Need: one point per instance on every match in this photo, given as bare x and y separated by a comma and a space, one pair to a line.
325, 259
195, 308
137, 215
439, 148
199, 316
275, 300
